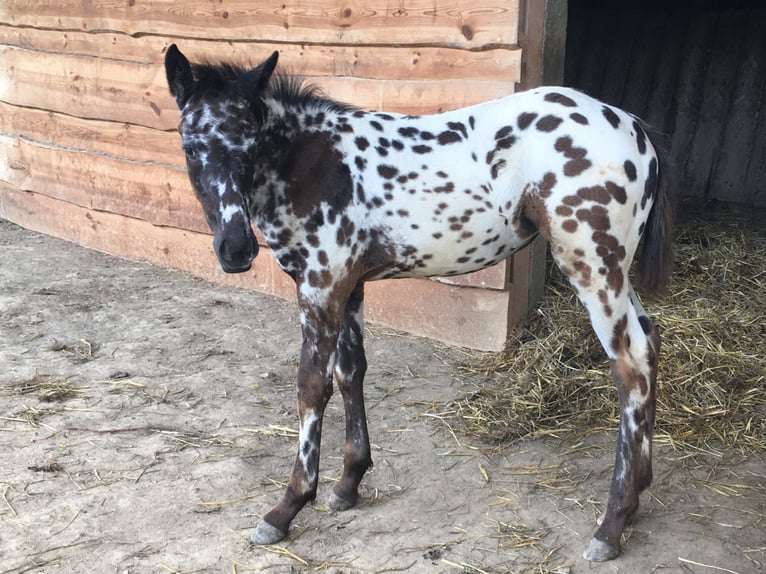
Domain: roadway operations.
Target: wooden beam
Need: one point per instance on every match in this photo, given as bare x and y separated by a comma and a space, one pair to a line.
374, 22
384, 62
156, 193
118, 140
136, 93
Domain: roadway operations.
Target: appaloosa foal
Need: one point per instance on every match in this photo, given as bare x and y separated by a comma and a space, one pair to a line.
345, 196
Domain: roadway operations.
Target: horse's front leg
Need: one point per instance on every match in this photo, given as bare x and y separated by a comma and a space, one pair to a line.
350, 367
320, 324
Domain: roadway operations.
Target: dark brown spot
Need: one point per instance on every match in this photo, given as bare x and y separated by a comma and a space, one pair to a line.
569, 225
597, 217
557, 98
579, 118
459, 127
328, 178
630, 170
640, 138
409, 132
576, 155
596, 193
525, 119
548, 123
388, 171
611, 116
448, 137
618, 334
545, 187
572, 200
617, 192
421, 149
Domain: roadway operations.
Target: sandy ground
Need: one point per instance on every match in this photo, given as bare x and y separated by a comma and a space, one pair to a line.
147, 423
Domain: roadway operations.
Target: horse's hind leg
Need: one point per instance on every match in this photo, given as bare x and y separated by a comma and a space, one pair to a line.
632, 345
350, 367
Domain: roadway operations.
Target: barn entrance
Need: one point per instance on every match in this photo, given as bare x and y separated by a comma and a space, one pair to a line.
694, 69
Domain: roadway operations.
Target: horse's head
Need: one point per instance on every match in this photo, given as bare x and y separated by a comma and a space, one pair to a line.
219, 127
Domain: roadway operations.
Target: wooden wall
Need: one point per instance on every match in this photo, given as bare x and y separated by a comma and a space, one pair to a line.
694, 69
89, 151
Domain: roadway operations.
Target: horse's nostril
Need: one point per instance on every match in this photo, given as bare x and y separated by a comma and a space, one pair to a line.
235, 255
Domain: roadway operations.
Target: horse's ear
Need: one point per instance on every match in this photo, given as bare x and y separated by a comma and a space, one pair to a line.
180, 77
255, 81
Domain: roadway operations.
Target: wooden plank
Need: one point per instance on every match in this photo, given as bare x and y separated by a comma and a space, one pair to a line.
589, 74
696, 55
621, 37
738, 149
661, 99
377, 22
376, 62
414, 97
577, 40
716, 101
755, 181
87, 87
644, 56
116, 140
475, 318
495, 277
135, 93
156, 193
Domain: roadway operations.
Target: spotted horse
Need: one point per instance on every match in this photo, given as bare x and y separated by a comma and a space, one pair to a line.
344, 196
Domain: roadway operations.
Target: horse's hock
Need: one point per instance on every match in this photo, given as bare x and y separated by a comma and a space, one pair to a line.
89, 151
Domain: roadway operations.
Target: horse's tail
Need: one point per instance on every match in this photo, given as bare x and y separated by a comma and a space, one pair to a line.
655, 260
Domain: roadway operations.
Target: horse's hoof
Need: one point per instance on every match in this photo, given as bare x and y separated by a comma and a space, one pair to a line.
599, 551
265, 533
336, 502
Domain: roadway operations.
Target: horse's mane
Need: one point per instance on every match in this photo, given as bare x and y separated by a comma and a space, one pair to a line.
292, 90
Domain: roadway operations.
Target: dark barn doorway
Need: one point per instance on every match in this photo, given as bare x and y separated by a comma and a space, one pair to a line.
696, 70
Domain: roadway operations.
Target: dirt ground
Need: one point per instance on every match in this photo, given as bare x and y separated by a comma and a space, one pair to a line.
147, 423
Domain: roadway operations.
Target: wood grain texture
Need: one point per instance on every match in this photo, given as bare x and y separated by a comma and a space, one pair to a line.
358, 61
155, 193
476, 318
374, 22
135, 93
101, 138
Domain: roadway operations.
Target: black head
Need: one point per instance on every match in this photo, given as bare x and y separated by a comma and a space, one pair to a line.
220, 121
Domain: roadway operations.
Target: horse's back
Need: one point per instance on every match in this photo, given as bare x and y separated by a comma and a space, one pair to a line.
471, 186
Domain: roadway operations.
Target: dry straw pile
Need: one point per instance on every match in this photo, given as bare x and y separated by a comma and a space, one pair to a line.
554, 378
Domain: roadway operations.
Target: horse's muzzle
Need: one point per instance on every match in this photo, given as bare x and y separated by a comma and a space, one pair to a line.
236, 256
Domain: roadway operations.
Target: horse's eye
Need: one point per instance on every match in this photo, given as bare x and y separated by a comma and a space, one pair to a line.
190, 151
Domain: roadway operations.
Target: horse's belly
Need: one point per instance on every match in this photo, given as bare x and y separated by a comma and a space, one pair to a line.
453, 245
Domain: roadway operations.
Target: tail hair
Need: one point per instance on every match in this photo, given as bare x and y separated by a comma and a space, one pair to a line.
655, 260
